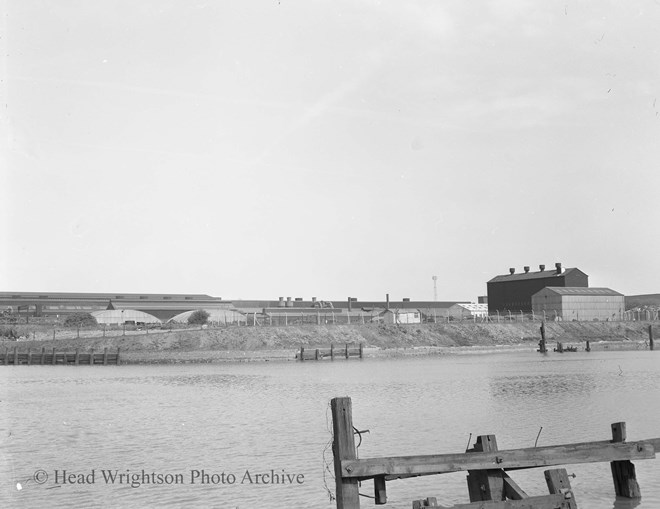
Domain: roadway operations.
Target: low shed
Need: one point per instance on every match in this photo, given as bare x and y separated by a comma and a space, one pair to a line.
578, 303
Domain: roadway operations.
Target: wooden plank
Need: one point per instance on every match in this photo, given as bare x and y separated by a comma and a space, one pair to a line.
512, 458
343, 448
556, 501
558, 483
623, 472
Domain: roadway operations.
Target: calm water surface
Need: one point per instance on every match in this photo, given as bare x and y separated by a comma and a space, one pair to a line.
244, 420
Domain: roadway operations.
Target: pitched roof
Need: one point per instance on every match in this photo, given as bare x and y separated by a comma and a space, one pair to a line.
542, 274
578, 290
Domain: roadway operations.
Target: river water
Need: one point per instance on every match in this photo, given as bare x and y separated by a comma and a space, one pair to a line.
211, 435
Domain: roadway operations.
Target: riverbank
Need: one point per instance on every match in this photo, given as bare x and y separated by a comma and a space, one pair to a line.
234, 344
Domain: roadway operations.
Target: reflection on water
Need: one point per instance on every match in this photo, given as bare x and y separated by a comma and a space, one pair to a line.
273, 418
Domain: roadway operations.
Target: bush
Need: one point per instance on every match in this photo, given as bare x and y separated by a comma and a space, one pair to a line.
80, 320
199, 317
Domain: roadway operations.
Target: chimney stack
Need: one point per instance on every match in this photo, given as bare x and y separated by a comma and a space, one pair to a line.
512, 270
281, 303
350, 307
387, 301
526, 269
558, 267
541, 268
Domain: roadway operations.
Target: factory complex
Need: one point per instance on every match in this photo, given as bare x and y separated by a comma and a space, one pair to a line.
556, 294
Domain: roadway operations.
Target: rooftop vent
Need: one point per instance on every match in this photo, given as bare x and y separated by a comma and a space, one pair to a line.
512, 270
541, 268
526, 267
558, 267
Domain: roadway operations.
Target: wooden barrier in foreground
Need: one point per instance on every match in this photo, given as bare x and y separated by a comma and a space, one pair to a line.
489, 485
317, 354
52, 358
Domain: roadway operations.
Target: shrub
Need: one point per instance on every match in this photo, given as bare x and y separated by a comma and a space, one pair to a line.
199, 317
80, 320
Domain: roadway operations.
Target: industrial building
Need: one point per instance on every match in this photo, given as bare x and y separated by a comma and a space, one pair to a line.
161, 306
577, 303
513, 291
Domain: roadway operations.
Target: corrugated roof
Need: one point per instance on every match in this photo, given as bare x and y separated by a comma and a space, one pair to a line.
578, 290
542, 274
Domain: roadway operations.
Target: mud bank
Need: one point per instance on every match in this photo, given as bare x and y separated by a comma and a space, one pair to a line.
235, 344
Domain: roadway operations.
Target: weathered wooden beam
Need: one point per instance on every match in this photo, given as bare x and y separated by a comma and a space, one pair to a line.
343, 449
512, 490
543, 502
623, 472
406, 466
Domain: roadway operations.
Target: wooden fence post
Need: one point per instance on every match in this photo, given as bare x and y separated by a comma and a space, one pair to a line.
43, 354
343, 448
346, 350
91, 357
623, 472
380, 491
361, 351
542, 347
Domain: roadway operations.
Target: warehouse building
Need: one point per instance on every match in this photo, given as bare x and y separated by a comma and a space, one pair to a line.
513, 292
577, 303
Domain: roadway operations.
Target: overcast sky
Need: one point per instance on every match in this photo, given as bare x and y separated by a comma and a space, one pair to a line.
257, 149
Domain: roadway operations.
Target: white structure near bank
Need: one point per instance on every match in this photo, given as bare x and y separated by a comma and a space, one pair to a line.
579, 304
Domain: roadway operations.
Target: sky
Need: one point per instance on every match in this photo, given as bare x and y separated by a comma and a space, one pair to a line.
256, 149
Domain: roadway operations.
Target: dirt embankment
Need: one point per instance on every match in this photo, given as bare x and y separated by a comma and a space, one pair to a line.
281, 343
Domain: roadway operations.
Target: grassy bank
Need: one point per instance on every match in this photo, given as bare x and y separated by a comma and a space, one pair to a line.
281, 343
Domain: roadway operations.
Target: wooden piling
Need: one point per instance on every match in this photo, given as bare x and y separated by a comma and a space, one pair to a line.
6, 356
623, 472
558, 483
343, 448
118, 356
588, 348
302, 353
91, 357
29, 356
15, 356
316, 354
651, 337
542, 346
52, 361
346, 352
105, 356
332, 352
380, 491
43, 354
76, 359
485, 484
361, 351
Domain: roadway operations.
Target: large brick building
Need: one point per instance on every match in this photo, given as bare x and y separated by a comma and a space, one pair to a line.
513, 291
